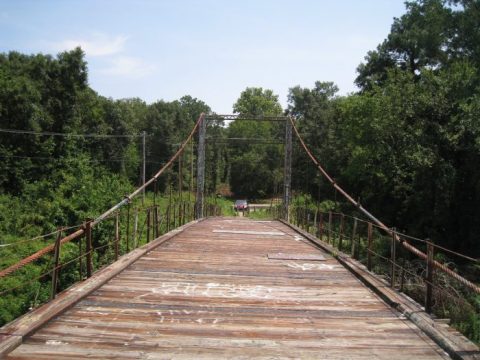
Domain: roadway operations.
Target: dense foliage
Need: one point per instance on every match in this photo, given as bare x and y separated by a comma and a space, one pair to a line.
254, 162
57, 177
49, 179
407, 143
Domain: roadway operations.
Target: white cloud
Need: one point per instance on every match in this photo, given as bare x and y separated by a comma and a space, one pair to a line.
97, 45
111, 50
128, 66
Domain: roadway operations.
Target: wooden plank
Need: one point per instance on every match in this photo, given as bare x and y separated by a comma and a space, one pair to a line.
205, 295
37, 318
250, 232
8, 343
282, 256
454, 343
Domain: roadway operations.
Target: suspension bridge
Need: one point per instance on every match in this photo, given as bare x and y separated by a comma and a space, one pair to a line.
179, 280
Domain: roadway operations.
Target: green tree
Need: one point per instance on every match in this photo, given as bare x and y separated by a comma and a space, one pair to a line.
257, 102
253, 163
417, 40
37, 93
315, 111
50, 181
425, 79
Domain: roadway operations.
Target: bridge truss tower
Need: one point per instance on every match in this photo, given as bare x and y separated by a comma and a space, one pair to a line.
287, 178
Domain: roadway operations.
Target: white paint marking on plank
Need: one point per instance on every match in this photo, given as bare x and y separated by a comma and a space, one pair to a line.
225, 290
286, 256
298, 238
309, 267
249, 232
55, 342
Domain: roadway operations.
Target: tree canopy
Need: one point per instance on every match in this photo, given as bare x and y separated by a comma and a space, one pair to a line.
255, 166
407, 143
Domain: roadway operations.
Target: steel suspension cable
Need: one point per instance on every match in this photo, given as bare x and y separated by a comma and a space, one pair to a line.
107, 213
380, 224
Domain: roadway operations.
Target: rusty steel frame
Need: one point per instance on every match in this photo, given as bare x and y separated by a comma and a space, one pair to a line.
354, 235
56, 270
371, 254
405, 305
202, 139
86, 231
393, 258
444, 268
89, 249
200, 195
429, 278
233, 117
287, 170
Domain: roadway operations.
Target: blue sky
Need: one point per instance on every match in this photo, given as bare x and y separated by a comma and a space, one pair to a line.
209, 49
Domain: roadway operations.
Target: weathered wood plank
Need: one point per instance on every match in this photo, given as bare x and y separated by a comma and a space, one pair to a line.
35, 319
283, 256
216, 294
457, 345
8, 343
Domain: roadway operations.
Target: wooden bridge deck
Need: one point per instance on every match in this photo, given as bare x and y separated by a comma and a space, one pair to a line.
213, 292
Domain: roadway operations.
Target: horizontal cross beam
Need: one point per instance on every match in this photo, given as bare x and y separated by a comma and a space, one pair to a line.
216, 117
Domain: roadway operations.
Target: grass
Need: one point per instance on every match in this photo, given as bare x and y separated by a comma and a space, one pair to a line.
260, 214
225, 204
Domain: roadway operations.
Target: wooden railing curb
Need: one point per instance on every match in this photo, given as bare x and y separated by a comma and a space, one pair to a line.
454, 343
12, 334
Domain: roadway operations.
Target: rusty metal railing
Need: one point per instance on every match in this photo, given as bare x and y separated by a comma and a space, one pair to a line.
100, 241
127, 200
380, 252
405, 244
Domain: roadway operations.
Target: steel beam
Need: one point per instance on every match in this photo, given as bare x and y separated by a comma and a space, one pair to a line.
199, 205
287, 172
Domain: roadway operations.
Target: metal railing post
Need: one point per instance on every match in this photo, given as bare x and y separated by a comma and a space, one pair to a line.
429, 277
174, 216
340, 235
135, 229
80, 257
155, 220
89, 250
148, 224
402, 271
287, 170
320, 227
127, 239
168, 217
354, 235
369, 249
56, 269
329, 234
117, 234
305, 218
200, 196
393, 255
